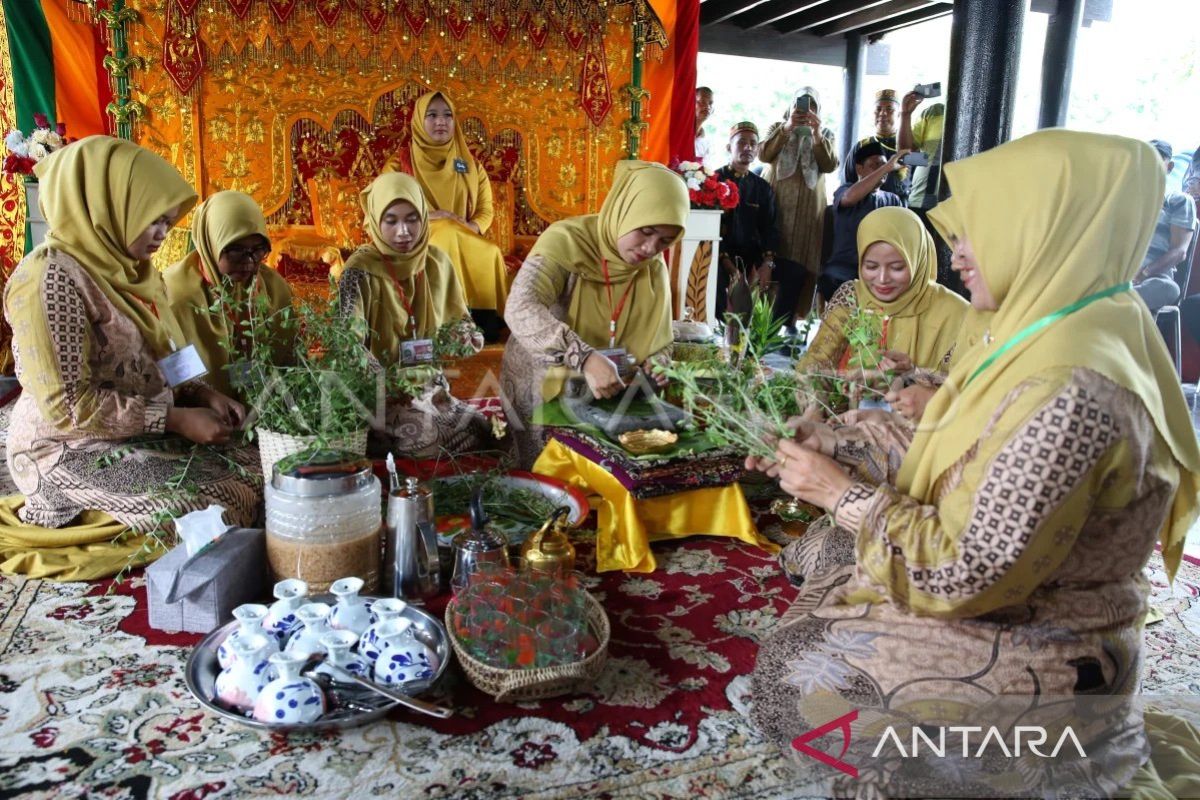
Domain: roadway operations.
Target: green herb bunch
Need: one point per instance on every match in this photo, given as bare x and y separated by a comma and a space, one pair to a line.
456, 339
303, 370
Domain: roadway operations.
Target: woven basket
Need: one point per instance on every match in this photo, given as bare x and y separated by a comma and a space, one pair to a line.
273, 446
520, 685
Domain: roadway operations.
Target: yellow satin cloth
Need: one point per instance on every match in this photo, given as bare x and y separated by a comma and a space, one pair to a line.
626, 526
84, 551
478, 262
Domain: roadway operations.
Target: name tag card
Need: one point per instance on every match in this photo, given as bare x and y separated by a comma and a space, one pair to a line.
182, 366
416, 351
617, 355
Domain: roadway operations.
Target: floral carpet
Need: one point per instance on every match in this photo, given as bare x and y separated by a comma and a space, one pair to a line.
93, 702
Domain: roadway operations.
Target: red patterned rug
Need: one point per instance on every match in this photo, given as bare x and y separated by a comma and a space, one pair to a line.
93, 703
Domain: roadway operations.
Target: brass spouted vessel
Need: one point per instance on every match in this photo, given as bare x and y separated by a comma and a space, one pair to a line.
549, 549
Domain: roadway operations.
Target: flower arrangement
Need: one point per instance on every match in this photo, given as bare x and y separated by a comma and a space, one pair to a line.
24, 152
705, 189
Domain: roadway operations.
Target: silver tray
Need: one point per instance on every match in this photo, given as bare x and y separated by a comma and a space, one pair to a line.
202, 669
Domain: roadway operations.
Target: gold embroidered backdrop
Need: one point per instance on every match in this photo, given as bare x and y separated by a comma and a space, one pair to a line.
301, 103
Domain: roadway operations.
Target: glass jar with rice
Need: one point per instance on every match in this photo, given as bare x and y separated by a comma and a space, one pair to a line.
324, 519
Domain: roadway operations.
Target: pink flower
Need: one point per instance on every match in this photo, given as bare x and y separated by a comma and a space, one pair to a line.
41, 120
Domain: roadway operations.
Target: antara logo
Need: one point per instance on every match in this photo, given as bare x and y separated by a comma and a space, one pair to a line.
842, 723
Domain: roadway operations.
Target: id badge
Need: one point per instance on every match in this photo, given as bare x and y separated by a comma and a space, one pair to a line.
182, 366
460, 166
618, 355
416, 351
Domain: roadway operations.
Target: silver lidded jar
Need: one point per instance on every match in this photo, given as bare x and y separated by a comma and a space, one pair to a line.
323, 519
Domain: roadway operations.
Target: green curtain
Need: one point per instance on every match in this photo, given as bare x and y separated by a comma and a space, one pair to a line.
32, 67
32, 60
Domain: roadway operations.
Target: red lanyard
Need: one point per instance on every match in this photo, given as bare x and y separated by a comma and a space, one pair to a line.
616, 310
412, 319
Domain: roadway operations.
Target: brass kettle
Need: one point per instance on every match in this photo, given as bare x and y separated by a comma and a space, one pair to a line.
549, 549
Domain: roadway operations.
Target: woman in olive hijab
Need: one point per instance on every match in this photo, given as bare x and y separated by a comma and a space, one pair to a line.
229, 233
1005, 557
405, 289
91, 328
591, 283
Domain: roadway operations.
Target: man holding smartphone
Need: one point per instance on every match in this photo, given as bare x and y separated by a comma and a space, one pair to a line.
924, 136
886, 106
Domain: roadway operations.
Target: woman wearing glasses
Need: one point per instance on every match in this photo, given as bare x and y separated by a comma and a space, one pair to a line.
229, 233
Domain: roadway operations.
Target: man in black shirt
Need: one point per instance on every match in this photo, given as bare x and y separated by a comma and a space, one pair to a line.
749, 234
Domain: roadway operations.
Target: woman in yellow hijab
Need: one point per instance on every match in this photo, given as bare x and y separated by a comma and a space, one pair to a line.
229, 234
405, 289
91, 329
460, 197
593, 283
1006, 556
897, 281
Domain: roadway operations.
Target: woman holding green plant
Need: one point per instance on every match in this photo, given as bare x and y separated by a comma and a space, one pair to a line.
593, 283
894, 318
407, 291
219, 287
106, 372
1006, 556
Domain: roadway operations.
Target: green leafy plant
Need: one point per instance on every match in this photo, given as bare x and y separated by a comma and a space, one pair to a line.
303, 369
455, 339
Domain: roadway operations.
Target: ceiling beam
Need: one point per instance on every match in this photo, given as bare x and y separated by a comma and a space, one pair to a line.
771, 12
863, 19
715, 11
906, 20
823, 13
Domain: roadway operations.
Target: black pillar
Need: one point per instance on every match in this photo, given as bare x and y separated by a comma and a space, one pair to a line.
1057, 61
985, 52
856, 70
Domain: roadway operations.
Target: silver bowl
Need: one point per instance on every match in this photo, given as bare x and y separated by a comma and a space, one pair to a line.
202, 669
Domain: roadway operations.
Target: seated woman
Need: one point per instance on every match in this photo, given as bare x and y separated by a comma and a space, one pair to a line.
918, 320
92, 332
405, 289
1005, 558
592, 282
229, 234
460, 195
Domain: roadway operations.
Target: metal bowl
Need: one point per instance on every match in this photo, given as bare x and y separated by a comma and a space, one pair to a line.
645, 442
202, 670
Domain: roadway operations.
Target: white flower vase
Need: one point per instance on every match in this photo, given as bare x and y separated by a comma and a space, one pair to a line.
382, 610
401, 657
281, 616
351, 612
290, 699
695, 270
306, 642
250, 617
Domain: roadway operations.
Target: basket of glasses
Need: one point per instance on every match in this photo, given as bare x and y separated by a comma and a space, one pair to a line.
527, 635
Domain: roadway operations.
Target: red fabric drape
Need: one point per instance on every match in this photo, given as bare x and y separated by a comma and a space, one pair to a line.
686, 43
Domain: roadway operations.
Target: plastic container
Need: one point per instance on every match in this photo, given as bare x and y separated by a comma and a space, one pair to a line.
324, 520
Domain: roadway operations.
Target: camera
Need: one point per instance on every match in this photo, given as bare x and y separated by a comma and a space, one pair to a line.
928, 90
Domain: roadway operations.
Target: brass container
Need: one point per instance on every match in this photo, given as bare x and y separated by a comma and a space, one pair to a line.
550, 549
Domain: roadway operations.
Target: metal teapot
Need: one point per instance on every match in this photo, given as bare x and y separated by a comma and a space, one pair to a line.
477, 546
549, 549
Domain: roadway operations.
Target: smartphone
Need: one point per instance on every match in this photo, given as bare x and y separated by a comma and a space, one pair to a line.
928, 90
915, 159
804, 104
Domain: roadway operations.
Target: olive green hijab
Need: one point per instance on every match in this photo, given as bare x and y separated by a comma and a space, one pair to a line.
643, 194
192, 283
1053, 218
924, 319
98, 196
424, 274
